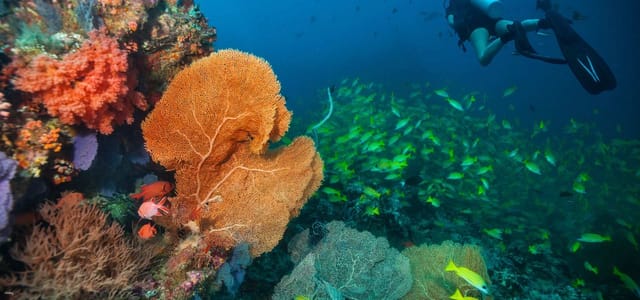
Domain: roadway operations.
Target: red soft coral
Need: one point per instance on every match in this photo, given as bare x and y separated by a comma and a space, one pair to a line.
93, 86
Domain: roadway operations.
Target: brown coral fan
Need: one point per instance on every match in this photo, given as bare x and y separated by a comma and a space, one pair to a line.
77, 254
431, 281
212, 126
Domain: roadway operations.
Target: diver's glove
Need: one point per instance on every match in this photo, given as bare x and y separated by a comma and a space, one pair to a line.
518, 34
509, 35
514, 31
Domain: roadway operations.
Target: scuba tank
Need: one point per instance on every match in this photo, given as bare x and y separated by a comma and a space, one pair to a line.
493, 8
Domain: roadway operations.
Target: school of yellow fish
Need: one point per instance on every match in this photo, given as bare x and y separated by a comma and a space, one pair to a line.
460, 157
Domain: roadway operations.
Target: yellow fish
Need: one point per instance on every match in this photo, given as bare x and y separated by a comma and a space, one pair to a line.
402, 123
532, 167
494, 233
372, 211
455, 176
589, 267
484, 170
506, 124
371, 192
434, 201
594, 238
575, 247
457, 295
632, 239
579, 188
509, 91
455, 104
442, 93
628, 281
469, 276
549, 157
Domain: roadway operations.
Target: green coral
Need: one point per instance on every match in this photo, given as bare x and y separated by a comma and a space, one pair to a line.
119, 207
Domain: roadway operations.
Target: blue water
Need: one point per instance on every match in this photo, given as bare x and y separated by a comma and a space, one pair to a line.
313, 44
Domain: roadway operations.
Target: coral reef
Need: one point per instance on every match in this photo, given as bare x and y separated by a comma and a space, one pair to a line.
230, 102
87, 63
75, 253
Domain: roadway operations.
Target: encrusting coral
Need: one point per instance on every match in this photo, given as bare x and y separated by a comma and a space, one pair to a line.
93, 86
213, 126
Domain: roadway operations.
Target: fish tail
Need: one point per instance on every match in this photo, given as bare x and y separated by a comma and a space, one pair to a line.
616, 271
457, 295
451, 266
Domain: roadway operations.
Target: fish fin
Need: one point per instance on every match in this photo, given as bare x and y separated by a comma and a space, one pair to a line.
137, 196
451, 266
616, 271
457, 295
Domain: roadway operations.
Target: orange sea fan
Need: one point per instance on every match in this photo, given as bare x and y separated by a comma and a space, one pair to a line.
235, 93
212, 126
258, 194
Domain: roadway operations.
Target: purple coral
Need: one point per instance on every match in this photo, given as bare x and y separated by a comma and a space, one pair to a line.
7, 170
85, 148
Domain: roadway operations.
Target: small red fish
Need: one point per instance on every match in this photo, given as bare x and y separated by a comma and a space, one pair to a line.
408, 244
147, 231
156, 189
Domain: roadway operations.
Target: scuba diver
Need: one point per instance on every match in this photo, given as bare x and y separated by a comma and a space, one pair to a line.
479, 22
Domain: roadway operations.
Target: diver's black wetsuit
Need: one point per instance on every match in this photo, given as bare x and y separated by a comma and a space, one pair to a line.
467, 18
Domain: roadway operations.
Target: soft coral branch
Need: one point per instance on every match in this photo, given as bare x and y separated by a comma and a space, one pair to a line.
93, 86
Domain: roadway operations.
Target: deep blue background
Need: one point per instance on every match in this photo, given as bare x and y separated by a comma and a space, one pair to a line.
312, 44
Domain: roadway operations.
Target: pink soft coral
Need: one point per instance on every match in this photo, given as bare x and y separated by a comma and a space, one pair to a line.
93, 86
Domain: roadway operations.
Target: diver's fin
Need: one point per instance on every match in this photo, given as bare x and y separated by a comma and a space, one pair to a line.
586, 64
547, 59
524, 48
